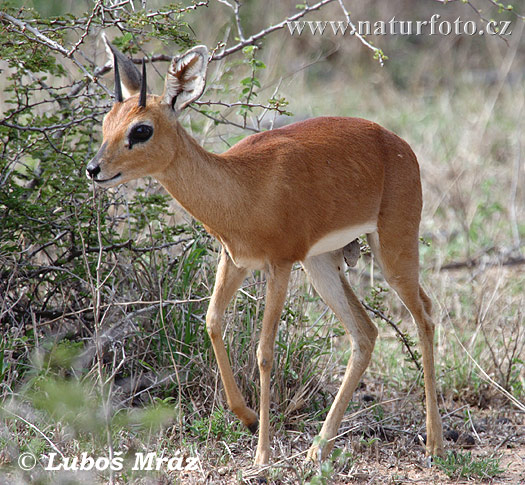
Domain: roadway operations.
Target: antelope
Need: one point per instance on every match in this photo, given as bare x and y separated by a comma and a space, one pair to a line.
300, 193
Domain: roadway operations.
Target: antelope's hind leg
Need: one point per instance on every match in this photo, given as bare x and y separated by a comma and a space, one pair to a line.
326, 273
398, 256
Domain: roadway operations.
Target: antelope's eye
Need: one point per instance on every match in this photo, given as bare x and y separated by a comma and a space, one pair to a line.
140, 134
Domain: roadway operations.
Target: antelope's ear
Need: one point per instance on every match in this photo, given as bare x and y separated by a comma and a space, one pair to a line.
186, 78
130, 77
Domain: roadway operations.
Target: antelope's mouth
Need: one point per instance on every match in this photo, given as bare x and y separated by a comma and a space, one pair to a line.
110, 181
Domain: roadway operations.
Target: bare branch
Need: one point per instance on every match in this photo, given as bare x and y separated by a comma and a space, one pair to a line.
263, 33
224, 121
235, 9
241, 104
378, 52
45, 129
194, 6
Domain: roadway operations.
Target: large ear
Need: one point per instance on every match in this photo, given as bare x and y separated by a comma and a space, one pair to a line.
129, 74
186, 78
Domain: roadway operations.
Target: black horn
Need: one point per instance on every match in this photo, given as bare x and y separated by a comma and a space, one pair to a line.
143, 85
118, 86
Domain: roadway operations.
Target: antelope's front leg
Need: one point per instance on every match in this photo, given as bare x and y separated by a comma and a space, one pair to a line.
275, 296
229, 278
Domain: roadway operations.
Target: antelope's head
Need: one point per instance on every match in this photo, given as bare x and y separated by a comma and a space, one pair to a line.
138, 132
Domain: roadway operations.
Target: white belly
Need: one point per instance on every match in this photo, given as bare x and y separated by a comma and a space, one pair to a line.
339, 239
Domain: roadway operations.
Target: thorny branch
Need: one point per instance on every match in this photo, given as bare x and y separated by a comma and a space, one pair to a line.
225, 121
51, 44
399, 333
96, 9
39, 37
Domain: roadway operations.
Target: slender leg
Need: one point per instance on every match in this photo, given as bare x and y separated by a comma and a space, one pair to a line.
401, 270
425, 328
275, 297
416, 305
229, 278
326, 274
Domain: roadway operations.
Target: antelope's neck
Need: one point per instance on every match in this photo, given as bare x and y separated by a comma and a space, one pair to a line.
205, 184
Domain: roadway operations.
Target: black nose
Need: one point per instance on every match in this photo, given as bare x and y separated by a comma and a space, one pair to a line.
93, 170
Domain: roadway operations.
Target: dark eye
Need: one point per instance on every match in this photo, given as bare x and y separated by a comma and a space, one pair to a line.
140, 134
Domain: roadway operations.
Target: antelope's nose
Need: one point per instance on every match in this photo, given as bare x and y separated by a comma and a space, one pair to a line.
93, 170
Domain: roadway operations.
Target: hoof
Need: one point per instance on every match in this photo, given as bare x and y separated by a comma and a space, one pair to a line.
314, 454
432, 448
320, 449
437, 451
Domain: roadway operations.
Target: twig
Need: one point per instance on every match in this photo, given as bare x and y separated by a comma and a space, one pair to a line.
194, 6
378, 52
125, 245
263, 33
41, 38
155, 384
45, 245
495, 3
483, 374
153, 305
473, 262
240, 103
272, 108
226, 122
104, 385
86, 30
507, 8
399, 332
235, 9
503, 441
61, 126
173, 363
32, 426
472, 425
